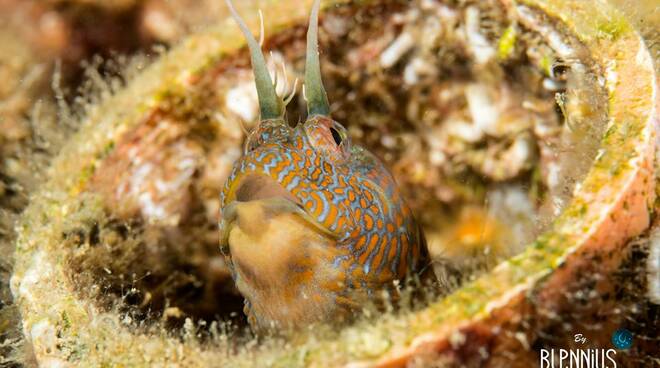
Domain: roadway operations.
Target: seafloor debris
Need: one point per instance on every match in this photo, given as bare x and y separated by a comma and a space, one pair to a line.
29, 137
466, 115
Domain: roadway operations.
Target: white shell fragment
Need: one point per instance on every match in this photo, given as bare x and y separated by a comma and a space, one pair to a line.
243, 101
396, 50
482, 108
481, 48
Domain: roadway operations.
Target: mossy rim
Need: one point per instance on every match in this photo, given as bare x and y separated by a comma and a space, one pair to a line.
65, 329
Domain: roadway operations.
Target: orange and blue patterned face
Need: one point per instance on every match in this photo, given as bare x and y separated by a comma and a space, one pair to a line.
312, 226
323, 224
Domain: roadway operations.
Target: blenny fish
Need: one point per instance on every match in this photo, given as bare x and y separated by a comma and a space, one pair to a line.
313, 226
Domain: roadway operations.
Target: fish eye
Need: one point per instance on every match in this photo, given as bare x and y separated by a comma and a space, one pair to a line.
329, 137
336, 135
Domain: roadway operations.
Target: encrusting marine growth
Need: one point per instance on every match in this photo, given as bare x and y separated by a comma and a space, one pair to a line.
312, 226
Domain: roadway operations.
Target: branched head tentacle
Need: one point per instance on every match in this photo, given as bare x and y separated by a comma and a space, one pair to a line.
261, 29
270, 104
317, 99
286, 79
293, 93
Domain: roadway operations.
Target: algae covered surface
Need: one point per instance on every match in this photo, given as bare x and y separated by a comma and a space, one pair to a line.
488, 124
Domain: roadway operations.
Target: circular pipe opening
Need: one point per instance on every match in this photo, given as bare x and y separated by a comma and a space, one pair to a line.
488, 115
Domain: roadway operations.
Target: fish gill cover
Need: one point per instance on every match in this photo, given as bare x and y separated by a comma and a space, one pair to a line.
487, 122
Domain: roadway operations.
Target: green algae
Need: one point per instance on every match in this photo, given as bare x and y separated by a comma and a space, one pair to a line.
614, 28
468, 302
507, 42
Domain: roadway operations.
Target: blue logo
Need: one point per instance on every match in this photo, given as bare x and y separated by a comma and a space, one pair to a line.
622, 339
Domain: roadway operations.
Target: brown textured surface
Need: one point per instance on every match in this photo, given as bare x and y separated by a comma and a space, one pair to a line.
552, 326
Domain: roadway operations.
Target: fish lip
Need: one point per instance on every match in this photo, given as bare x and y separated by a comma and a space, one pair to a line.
280, 200
230, 215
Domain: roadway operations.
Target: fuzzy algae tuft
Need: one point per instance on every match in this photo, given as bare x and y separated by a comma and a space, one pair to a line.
67, 326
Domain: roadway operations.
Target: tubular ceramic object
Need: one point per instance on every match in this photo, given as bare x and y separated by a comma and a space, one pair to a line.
610, 207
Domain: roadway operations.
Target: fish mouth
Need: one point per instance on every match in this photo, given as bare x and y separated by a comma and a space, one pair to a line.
272, 198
